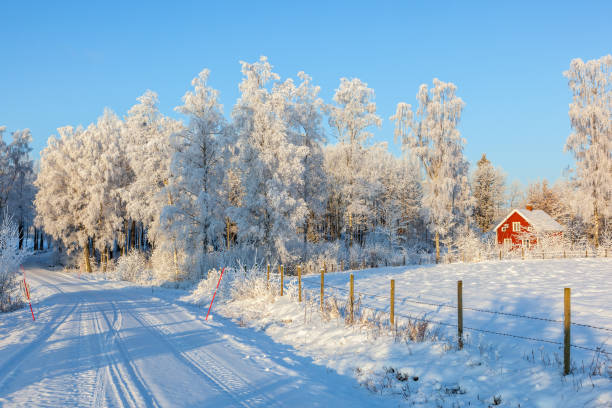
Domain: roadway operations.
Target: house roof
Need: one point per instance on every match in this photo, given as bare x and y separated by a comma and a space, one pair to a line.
538, 219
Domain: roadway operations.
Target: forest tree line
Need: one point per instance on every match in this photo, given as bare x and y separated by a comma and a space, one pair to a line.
288, 177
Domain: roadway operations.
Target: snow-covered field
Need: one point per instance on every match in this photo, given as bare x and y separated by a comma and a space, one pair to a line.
491, 369
106, 343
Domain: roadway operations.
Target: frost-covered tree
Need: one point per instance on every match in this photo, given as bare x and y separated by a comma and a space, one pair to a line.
81, 177
515, 194
270, 165
305, 131
541, 196
591, 140
6, 173
10, 259
194, 216
16, 178
488, 190
409, 192
351, 117
146, 141
431, 136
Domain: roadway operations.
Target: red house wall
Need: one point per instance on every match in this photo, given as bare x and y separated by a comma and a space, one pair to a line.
515, 217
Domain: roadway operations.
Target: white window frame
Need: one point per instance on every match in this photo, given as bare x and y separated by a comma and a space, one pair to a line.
507, 242
526, 243
505, 227
516, 226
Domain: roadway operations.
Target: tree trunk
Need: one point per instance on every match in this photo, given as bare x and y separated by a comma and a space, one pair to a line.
596, 227
176, 265
437, 247
86, 255
133, 234
20, 235
35, 239
227, 232
41, 245
124, 238
175, 252
105, 256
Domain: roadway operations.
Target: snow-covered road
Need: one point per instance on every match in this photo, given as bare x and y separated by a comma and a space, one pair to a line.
104, 343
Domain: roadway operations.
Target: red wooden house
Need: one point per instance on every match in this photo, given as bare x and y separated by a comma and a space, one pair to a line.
521, 227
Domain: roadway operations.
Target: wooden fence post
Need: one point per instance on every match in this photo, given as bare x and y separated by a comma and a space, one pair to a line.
523, 253
564, 253
281, 269
268, 277
566, 331
586, 253
322, 285
542, 254
500, 254
341, 265
299, 283
392, 317
460, 313
352, 299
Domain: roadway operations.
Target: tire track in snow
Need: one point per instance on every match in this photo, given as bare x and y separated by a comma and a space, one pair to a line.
123, 377
10, 366
231, 390
56, 340
227, 380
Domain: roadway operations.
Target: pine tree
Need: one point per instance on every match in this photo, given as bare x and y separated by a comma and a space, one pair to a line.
488, 190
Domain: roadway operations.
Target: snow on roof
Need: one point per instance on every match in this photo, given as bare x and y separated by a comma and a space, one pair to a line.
539, 220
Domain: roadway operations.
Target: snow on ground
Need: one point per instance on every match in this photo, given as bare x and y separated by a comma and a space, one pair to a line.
491, 369
107, 343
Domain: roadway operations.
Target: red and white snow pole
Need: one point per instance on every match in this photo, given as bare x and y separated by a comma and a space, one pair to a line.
27, 291
215, 294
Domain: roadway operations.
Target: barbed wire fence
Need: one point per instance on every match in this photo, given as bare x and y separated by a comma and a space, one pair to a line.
347, 296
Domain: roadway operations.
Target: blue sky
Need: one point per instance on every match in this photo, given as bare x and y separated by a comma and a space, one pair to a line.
63, 62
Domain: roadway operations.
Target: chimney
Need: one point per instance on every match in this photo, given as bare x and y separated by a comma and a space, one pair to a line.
529, 207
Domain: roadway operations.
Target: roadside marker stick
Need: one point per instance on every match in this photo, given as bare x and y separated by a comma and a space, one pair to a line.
215, 294
27, 292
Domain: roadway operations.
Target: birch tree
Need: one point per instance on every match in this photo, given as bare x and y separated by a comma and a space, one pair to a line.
16, 179
270, 163
431, 136
305, 132
352, 117
195, 199
590, 142
81, 177
146, 141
